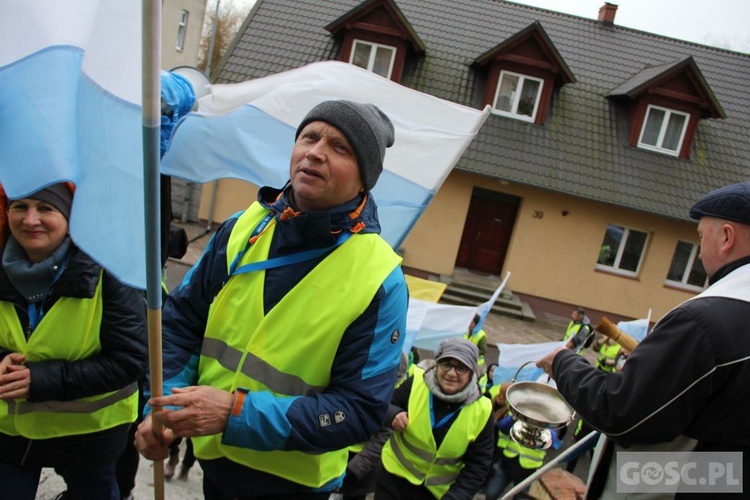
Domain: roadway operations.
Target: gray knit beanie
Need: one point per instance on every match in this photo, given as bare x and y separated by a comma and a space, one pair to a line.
58, 195
365, 126
460, 349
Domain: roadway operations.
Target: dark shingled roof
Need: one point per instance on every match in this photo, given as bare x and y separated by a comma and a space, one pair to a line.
582, 148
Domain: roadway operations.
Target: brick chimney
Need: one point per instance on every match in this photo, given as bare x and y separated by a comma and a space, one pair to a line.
607, 13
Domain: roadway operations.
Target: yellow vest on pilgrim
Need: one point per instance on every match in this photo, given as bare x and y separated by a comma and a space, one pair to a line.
288, 352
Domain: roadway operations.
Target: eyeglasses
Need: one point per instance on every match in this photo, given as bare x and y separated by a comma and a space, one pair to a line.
446, 366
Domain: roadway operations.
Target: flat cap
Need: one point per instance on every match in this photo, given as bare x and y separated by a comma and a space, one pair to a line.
729, 203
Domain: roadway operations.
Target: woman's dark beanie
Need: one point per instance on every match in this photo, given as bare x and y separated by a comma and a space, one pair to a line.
58, 195
365, 126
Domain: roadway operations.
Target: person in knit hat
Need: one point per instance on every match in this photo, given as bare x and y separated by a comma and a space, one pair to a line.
439, 412
72, 347
292, 321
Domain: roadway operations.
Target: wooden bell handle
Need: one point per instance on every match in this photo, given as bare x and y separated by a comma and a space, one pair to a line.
606, 327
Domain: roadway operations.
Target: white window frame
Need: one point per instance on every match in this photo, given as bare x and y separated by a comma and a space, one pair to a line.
694, 255
373, 53
615, 267
517, 96
662, 130
182, 30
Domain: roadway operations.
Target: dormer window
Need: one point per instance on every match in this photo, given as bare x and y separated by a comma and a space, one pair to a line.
663, 130
521, 74
376, 35
665, 104
373, 57
518, 95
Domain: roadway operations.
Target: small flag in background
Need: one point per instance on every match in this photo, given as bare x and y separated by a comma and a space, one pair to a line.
513, 356
484, 309
427, 323
637, 328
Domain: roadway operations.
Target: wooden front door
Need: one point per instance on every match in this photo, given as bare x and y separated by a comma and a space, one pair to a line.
487, 231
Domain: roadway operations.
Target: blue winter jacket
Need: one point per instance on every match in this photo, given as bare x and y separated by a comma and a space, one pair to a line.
365, 365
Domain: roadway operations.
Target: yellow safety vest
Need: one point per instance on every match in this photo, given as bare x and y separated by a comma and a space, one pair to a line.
413, 454
572, 330
281, 353
81, 320
503, 440
481, 334
528, 458
607, 351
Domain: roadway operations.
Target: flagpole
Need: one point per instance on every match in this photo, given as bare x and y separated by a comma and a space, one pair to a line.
151, 93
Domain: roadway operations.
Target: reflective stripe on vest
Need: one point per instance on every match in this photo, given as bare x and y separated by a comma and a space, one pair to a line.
528, 458
286, 354
412, 454
503, 440
606, 352
81, 318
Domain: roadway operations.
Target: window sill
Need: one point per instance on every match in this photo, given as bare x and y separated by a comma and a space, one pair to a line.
520, 118
667, 152
683, 287
616, 272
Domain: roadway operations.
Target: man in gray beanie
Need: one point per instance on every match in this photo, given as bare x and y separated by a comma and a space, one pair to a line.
685, 387
295, 313
367, 128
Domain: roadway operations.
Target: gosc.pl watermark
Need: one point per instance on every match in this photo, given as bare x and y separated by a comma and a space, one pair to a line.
679, 472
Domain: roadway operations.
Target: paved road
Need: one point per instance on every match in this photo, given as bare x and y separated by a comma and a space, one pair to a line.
51, 484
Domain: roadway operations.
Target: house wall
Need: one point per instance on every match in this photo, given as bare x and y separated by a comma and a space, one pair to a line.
551, 255
170, 17
232, 195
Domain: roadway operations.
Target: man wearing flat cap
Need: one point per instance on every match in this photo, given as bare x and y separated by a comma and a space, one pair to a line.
282, 345
686, 387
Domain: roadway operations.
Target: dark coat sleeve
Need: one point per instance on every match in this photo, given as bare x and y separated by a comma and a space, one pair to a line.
122, 359
664, 384
367, 461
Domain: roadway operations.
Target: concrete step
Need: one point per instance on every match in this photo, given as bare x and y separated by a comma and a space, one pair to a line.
473, 294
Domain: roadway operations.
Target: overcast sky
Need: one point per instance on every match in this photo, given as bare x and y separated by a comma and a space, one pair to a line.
719, 23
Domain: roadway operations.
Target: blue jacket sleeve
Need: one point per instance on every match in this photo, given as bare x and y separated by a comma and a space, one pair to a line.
354, 405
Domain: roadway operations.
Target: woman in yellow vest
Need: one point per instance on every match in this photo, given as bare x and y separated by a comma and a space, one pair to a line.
72, 348
443, 437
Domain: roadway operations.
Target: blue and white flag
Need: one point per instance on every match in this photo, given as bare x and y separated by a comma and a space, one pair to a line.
246, 131
484, 308
637, 328
70, 109
428, 323
513, 356
70, 95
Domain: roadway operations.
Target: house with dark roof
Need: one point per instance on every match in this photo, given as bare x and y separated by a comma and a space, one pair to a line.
579, 183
